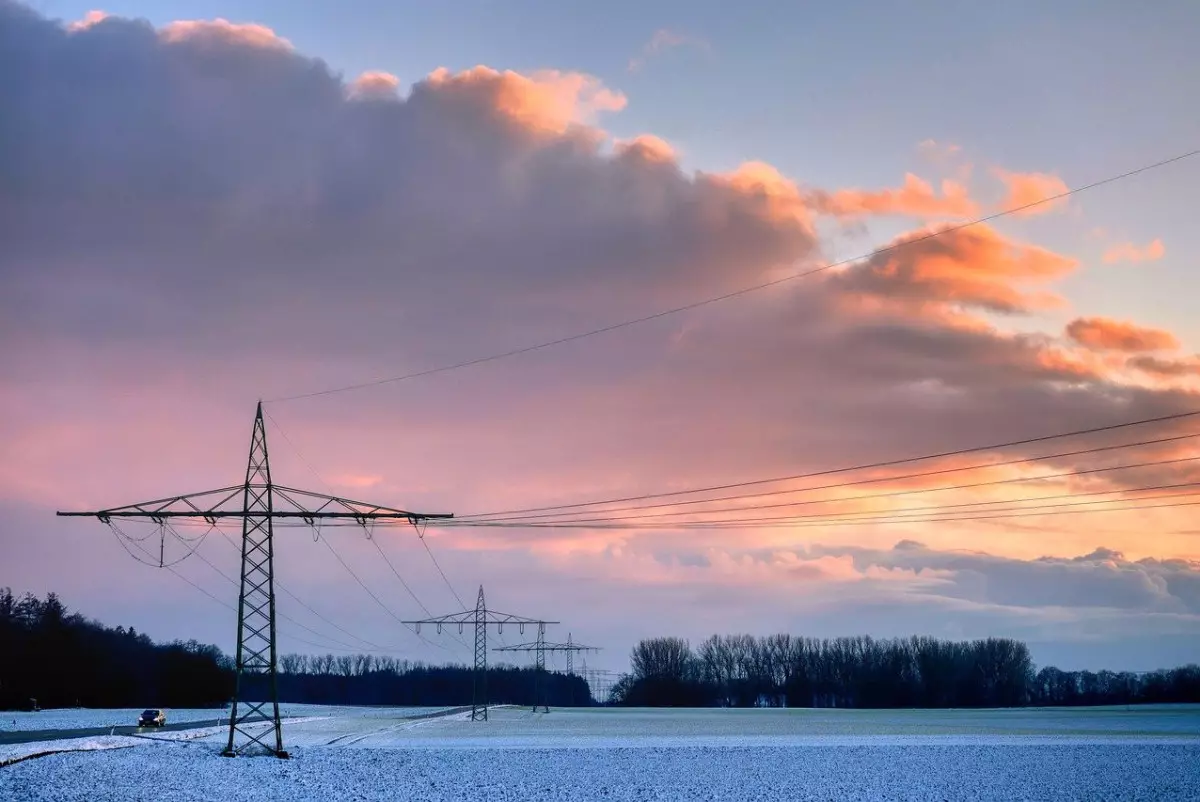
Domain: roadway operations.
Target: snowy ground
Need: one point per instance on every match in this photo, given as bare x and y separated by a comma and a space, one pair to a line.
370, 754
79, 717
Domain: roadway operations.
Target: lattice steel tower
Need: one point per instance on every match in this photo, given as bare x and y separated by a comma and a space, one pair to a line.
481, 617
256, 695
539, 648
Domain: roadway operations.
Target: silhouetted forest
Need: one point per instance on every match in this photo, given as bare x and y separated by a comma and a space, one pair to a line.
783, 670
63, 659
363, 679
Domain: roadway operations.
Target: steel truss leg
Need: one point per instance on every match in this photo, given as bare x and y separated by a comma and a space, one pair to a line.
256, 692
479, 700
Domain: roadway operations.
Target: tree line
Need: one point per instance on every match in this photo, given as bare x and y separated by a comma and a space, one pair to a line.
364, 679
785, 670
56, 658
50, 657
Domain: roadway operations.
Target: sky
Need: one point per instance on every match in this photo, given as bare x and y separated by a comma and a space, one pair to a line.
206, 204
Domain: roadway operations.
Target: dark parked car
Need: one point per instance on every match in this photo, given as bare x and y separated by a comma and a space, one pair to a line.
152, 718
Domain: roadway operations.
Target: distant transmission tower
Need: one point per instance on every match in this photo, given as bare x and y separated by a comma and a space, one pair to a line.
599, 682
262, 503
539, 648
481, 618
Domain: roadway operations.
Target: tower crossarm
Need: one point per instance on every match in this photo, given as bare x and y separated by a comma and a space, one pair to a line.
546, 647
489, 618
225, 502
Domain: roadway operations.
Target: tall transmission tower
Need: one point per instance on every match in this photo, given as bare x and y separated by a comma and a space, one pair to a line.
539, 648
481, 618
256, 695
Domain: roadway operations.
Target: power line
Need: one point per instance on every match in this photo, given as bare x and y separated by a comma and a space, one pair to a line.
201, 589
967, 504
345, 646
633, 527
1027, 513
834, 515
810, 502
397, 573
378, 548
438, 566
371, 645
949, 509
329, 546
371, 593
744, 291
855, 468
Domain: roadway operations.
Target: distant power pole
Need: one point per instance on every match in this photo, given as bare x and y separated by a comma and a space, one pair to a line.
539, 649
481, 618
262, 503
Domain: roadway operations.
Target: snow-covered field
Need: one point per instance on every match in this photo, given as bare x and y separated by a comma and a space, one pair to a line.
79, 717
1112, 754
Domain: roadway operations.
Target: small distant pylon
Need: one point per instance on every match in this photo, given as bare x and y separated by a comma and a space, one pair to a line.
539, 648
482, 618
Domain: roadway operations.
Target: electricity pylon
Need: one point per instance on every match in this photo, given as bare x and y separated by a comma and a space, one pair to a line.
481, 618
539, 648
600, 680
262, 503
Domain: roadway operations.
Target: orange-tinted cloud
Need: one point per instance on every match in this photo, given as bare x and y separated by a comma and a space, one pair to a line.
1128, 252
547, 100
1026, 188
971, 267
89, 19
646, 146
774, 194
916, 198
1105, 334
356, 481
223, 31
1171, 368
375, 84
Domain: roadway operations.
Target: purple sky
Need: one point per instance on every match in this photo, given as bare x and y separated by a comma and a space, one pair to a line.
200, 214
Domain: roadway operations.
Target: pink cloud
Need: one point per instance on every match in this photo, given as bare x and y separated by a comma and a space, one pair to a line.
356, 481
971, 267
223, 31
916, 198
1128, 252
1115, 335
89, 20
776, 195
547, 100
648, 147
375, 84
938, 152
664, 40
1026, 188
1167, 367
